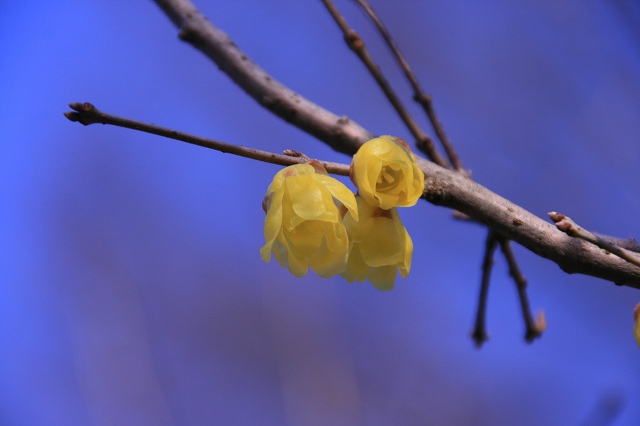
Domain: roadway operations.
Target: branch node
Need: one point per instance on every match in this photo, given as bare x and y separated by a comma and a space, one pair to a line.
296, 154
572, 229
343, 120
353, 39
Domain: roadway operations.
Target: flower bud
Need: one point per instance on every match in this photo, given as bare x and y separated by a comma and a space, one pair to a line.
380, 245
303, 226
385, 172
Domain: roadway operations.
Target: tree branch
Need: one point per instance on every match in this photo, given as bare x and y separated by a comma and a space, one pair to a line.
479, 334
534, 328
340, 133
86, 113
572, 229
443, 187
452, 190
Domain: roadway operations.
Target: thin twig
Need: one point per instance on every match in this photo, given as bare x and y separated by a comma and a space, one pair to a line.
572, 229
355, 43
86, 113
479, 334
625, 243
419, 94
534, 328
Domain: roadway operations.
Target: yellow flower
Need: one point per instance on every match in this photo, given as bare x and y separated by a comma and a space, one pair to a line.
380, 245
385, 172
303, 226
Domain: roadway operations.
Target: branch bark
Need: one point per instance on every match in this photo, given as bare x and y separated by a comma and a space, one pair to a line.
443, 187
86, 114
338, 132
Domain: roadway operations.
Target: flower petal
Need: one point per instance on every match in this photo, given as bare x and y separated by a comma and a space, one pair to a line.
386, 173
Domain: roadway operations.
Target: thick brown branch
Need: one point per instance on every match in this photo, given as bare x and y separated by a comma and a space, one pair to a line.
340, 133
86, 113
355, 43
443, 187
451, 189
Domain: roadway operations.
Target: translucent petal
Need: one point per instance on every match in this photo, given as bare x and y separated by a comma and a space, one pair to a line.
367, 174
356, 269
387, 201
309, 198
341, 193
384, 246
386, 173
298, 266
358, 231
327, 263
383, 278
295, 170
272, 224
378, 253
306, 238
287, 258
405, 267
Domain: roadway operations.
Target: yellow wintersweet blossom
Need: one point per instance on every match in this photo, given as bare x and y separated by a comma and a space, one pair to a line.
385, 172
303, 227
380, 245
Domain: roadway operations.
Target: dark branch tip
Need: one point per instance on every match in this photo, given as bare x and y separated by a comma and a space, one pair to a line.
72, 116
83, 113
479, 337
532, 335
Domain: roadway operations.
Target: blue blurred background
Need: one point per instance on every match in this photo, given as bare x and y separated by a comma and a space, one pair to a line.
131, 287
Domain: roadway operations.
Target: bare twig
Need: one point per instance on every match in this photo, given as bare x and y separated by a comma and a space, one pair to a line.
572, 229
419, 95
625, 243
355, 43
479, 334
534, 328
86, 113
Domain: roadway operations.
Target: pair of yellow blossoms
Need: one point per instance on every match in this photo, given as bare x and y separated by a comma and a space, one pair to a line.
313, 220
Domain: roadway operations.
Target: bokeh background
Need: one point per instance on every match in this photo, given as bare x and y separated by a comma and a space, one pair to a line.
131, 287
